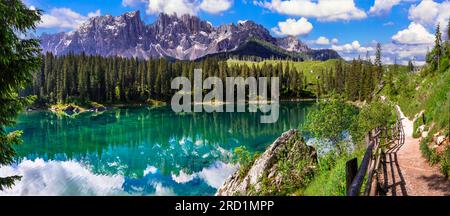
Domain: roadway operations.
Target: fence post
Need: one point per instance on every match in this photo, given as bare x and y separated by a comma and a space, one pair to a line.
351, 168
368, 138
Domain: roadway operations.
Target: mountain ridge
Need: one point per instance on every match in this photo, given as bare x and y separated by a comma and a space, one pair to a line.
183, 37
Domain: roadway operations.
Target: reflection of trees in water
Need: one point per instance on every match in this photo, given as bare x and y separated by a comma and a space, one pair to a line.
134, 138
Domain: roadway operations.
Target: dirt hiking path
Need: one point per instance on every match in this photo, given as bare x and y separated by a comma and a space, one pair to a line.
408, 173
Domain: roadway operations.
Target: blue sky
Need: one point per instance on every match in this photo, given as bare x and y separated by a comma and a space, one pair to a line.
403, 27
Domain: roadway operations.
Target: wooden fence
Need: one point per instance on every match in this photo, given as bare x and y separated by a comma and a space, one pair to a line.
377, 142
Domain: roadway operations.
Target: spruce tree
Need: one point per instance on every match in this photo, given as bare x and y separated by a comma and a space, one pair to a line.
448, 30
378, 64
19, 58
437, 46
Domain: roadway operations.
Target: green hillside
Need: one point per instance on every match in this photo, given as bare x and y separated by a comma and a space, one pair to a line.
311, 69
427, 93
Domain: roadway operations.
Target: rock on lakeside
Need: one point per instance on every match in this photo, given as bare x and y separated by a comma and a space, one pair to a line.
72, 109
288, 149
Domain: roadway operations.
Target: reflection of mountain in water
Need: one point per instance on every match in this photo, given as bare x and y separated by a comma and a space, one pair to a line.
52, 177
127, 141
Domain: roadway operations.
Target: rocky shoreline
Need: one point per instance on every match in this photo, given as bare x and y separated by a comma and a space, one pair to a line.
290, 148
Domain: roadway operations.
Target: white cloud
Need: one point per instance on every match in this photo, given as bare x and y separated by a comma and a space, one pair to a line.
390, 52
94, 14
405, 52
322, 41
64, 18
352, 48
334, 41
383, 6
430, 13
133, 3
172, 6
150, 170
293, 27
215, 6
323, 10
390, 23
415, 41
180, 7
183, 177
214, 175
425, 12
414, 34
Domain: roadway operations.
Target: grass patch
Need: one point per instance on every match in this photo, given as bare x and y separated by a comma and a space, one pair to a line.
445, 163
416, 133
330, 179
310, 69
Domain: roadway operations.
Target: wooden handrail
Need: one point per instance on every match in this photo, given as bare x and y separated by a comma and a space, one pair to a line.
371, 161
357, 182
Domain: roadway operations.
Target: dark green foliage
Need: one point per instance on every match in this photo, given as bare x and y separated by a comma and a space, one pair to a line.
355, 81
435, 56
18, 59
121, 80
378, 64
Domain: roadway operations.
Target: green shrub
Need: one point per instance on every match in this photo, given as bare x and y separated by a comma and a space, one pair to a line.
426, 151
376, 114
330, 180
330, 119
445, 163
245, 159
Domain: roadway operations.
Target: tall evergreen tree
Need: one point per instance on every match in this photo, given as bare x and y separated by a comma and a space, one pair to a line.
438, 46
19, 58
448, 30
378, 64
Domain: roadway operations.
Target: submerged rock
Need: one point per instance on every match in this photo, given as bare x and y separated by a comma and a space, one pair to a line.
288, 161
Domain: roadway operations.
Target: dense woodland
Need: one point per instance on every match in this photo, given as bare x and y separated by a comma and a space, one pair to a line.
122, 80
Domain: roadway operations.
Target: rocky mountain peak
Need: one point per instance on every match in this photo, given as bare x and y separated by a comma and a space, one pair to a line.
183, 37
292, 44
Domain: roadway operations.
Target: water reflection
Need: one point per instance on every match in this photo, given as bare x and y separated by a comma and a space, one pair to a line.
49, 178
145, 151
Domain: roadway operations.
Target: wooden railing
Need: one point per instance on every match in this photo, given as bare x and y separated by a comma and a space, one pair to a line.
377, 141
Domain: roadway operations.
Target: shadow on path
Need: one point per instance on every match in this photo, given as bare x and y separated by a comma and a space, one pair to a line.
438, 183
393, 183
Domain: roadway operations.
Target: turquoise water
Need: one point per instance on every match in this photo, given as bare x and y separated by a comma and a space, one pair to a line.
138, 151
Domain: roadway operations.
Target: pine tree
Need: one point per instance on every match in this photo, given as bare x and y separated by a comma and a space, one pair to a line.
438, 46
19, 58
378, 64
448, 30
447, 42
410, 66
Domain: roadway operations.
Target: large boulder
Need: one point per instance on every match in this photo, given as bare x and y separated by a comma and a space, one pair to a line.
287, 161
